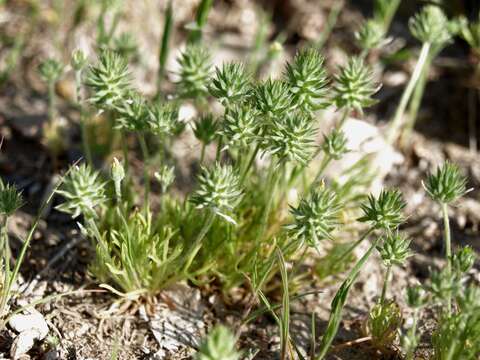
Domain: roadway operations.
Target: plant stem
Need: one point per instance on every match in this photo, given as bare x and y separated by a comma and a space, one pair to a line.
339, 300
249, 163
412, 335
51, 102
83, 128
146, 175
355, 244
448, 250
386, 281
407, 93
197, 243
202, 154
272, 180
164, 47
5, 264
201, 19
323, 165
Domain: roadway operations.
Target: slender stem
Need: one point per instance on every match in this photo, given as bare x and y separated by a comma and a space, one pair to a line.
323, 165
339, 300
219, 149
6, 264
202, 15
416, 101
146, 174
407, 93
272, 180
202, 154
197, 243
355, 244
164, 47
412, 335
249, 164
448, 250
386, 281
83, 127
51, 102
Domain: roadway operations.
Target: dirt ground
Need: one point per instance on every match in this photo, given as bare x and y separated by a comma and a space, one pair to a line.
90, 323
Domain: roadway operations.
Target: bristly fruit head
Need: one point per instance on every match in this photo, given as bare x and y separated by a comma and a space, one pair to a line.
470, 31
240, 125
50, 70
272, 98
430, 25
291, 138
315, 217
335, 144
163, 119
83, 192
165, 176
10, 199
416, 297
126, 45
308, 80
384, 212
447, 184
219, 345
371, 35
463, 260
218, 190
195, 68
205, 128
443, 284
79, 60
132, 113
109, 79
230, 84
395, 249
355, 85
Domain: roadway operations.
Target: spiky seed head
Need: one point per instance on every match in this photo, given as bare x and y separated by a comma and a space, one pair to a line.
195, 68
355, 85
240, 125
384, 212
126, 45
335, 144
430, 25
447, 184
218, 190
205, 128
83, 192
219, 345
10, 199
371, 35
308, 80
463, 260
165, 177
416, 297
109, 80
163, 119
50, 70
230, 84
470, 32
395, 249
272, 98
79, 60
132, 113
315, 217
291, 138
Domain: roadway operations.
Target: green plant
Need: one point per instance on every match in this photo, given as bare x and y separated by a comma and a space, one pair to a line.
383, 322
430, 27
219, 345
230, 84
194, 72
416, 299
444, 186
308, 80
384, 212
